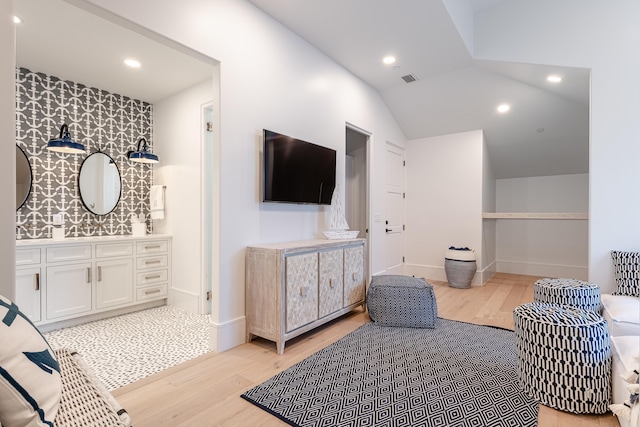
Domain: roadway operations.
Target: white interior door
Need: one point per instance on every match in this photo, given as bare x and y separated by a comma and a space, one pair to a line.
394, 210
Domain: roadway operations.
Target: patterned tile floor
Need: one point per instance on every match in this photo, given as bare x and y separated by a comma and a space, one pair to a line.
124, 349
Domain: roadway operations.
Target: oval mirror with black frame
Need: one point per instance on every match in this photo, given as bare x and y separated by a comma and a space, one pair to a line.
99, 183
24, 177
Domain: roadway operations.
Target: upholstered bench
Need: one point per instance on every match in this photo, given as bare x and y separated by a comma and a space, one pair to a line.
40, 386
84, 401
402, 301
576, 293
564, 357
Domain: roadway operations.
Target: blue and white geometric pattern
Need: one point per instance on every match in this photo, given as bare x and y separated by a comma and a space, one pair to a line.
573, 292
100, 120
455, 375
402, 301
627, 273
564, 357
30, 381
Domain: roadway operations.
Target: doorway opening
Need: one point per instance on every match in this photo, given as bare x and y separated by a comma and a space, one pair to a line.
357, 185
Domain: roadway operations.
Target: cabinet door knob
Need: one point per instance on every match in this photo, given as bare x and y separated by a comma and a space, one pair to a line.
88, 274
99, 274
331, 282
304, 290
353, 276
37, 281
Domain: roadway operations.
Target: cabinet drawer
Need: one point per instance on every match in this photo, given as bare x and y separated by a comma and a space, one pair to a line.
68, 253
150, 277
105, 250
151, 292
152, 262
28, 256
152, 247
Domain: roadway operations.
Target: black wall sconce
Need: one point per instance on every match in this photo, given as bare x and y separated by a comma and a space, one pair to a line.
64, 144
143, 155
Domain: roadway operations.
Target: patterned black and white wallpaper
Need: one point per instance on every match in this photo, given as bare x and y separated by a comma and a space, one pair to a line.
100, 120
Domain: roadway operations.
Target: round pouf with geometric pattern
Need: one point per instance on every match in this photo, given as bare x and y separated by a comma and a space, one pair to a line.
576, 293
564, 357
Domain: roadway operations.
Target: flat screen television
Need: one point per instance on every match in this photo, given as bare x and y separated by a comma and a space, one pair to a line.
297, 171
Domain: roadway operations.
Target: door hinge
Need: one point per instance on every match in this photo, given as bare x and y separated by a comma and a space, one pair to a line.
208, 295
209, 126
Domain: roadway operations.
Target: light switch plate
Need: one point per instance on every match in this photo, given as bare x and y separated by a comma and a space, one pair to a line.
56, 219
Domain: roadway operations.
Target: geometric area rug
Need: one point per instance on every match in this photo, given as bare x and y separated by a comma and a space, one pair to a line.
457, 374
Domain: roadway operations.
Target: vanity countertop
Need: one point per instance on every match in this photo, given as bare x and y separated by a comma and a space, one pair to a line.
91, 239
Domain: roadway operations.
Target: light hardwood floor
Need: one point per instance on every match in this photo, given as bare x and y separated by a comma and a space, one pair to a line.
206, 391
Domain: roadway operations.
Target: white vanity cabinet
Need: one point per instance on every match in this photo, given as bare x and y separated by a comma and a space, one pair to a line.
152, 270
28, 274
59, 282
292, 288
68, 290
114, 275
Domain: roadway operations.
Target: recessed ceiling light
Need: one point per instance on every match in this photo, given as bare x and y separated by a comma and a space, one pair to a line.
503, 108
17, 20
554, 78
389, 60
132, 63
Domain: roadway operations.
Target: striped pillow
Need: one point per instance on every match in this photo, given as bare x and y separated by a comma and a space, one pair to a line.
627, 273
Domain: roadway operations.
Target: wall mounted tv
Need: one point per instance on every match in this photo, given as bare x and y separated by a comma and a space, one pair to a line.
297, 171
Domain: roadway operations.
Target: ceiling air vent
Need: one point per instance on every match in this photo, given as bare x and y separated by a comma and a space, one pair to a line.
409, 78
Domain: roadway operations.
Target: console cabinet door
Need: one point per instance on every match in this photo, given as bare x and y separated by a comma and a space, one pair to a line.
354, 284
330, 282
68, 290
28, 292
114, 282
302, 290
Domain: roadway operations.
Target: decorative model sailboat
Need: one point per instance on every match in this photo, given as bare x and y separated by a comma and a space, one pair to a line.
339, 229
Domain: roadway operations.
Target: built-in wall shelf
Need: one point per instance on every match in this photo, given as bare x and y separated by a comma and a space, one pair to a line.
527, 215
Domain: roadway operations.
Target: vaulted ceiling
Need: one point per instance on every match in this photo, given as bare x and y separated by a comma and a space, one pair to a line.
544, 133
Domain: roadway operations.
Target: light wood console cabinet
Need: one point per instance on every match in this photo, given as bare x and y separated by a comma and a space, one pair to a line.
292, 288
65, 282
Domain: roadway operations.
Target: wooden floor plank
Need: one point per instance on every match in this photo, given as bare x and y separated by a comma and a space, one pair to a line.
206, 391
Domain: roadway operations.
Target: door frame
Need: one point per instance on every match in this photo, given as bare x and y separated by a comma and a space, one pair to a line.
368, 245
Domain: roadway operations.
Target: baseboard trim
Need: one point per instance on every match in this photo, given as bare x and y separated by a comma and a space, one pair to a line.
542, 269
438, 273
185, 300
223, 336
52, 326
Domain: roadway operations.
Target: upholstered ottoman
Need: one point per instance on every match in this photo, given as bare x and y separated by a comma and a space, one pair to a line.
576, 293
564, 357
402, 301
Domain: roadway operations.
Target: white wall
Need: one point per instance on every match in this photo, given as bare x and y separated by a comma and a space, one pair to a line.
177, 141
443, 201
488, 264
602, 36
551, 248
8, 159
269, 78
